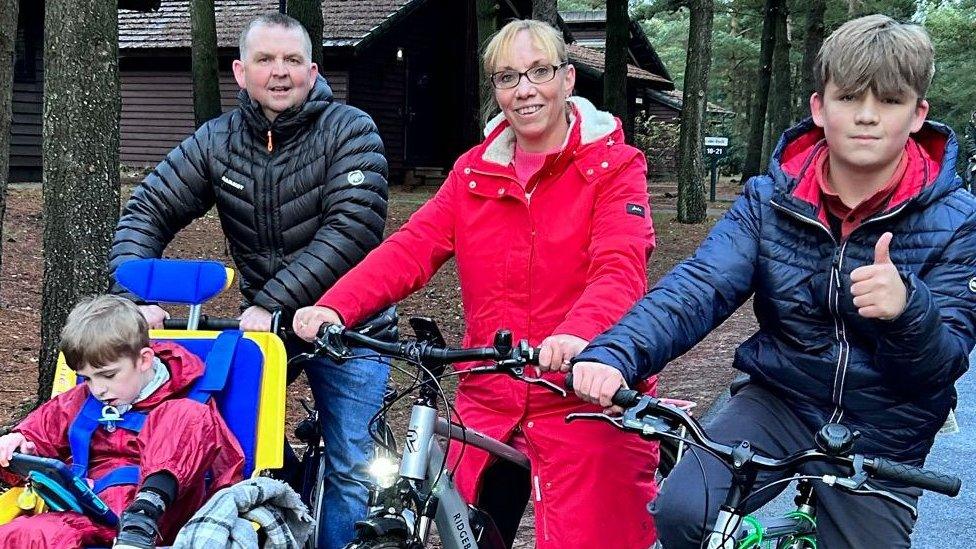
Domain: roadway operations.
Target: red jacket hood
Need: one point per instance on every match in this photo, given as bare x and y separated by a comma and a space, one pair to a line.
925, 152
184, 369
589, 128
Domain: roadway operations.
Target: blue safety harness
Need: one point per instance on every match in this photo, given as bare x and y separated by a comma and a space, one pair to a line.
94, 414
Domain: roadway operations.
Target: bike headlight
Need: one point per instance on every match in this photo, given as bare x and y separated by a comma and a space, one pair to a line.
384, 471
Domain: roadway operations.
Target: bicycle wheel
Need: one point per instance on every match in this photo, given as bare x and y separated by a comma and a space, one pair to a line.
315, 492
382, 542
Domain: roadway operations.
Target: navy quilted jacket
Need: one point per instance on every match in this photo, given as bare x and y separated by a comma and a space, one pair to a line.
892, 380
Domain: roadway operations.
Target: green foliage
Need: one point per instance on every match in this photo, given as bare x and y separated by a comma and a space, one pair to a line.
735, 49
952, 95
659, 141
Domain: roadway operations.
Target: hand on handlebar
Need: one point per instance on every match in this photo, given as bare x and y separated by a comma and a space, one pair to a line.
154, 315
308, 320
596, 383
255, 319
557, 350
14, 442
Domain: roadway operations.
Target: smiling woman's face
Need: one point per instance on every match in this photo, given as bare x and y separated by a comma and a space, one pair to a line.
536, 112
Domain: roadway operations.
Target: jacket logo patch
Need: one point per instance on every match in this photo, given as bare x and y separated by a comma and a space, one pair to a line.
232, 183
355, 177
972, 284
635, 209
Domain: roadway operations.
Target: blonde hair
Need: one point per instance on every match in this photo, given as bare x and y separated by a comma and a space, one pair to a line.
103, 329
544, 37
878, 53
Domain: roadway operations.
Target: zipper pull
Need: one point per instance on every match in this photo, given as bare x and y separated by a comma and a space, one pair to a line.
270, 143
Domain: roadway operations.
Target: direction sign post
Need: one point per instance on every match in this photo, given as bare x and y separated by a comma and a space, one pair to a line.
715, 147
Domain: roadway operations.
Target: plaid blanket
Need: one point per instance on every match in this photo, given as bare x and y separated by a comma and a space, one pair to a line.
227, 520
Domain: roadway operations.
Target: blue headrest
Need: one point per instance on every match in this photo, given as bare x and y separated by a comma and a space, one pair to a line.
185, 281
238, 401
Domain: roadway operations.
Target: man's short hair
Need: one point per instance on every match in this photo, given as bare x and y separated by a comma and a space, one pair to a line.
274, 20
878, 53
101, 330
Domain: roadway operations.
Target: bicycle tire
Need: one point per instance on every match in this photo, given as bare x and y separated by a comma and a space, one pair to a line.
381, 542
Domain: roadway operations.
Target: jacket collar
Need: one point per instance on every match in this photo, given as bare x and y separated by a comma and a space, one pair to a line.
292, 120
793, 154
590, 124
184, 369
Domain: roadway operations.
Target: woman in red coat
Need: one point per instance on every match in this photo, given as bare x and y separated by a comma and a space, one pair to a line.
549, 222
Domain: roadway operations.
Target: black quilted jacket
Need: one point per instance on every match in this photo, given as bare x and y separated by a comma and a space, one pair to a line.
301, 200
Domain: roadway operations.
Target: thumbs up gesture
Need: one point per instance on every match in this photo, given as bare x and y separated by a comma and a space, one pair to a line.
877, 288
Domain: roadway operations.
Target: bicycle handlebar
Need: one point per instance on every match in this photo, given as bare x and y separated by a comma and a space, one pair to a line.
332, 336
638, 406
206, 323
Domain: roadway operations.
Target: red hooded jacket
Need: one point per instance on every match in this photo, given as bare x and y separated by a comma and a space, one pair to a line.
568, 258
184, 437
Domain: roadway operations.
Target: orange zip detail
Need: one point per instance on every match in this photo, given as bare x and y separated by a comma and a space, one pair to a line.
270, 144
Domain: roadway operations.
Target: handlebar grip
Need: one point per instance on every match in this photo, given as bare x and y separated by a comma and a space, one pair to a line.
624, 397
916, 476
206, 323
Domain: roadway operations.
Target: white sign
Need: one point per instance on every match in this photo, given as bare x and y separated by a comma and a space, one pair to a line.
716, 141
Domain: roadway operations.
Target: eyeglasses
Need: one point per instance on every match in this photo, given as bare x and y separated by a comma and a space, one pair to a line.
506, 80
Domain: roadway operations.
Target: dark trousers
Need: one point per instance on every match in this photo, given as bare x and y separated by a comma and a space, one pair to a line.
754, 414
504, 496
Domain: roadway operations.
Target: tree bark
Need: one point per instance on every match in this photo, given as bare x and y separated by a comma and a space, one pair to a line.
545, 10
757, 119
691, 164
814, 37
615, 59
80, 155
486, 22
8, 20
781, 96
309, 14
206, 81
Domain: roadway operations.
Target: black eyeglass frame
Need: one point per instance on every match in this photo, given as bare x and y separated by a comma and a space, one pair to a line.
525, 74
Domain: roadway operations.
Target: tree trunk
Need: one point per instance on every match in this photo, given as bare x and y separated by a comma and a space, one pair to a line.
203, 52
691, 164
757, 119
615, 59
781, 96
545, 10
811, 45
486, 21
80, 155
8, 20
309, 14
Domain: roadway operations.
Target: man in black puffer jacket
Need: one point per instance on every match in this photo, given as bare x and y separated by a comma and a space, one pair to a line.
299, 183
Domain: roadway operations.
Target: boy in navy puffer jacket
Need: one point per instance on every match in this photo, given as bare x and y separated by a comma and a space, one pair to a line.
859, 249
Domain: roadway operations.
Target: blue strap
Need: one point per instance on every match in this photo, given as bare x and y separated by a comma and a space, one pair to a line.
87, 422
126, 474
218, 363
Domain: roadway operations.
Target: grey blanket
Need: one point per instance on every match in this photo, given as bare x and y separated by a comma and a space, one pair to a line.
225, 522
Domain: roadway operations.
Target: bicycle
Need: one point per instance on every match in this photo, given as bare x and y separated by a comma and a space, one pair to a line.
733, 529
409, 499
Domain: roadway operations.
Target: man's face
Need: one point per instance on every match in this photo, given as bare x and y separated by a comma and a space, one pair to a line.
277, 72
866, 132
120, 381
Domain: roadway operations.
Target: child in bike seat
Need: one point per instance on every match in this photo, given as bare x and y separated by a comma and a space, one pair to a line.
858, 248
154, 449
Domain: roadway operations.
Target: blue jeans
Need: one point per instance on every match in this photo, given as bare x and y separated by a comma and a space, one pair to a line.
346, 397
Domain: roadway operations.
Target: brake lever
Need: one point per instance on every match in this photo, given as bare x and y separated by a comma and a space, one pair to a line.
616, 421
516, 369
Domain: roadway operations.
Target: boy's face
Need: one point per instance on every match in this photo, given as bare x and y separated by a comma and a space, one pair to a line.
119, 381
866, 132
